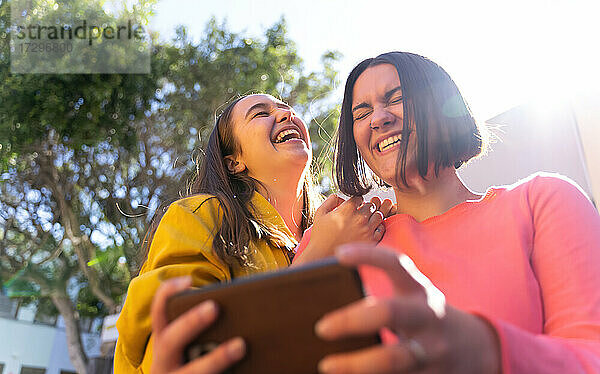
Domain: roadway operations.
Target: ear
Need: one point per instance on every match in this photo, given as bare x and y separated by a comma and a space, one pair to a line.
234, 166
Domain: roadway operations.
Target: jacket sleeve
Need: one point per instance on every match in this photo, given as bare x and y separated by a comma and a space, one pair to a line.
182, 246
566, 261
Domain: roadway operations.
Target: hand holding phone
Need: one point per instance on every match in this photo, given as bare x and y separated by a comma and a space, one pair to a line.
275, 314
170, 339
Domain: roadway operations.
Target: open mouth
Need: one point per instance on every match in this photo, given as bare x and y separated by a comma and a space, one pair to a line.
286, 135
388, 143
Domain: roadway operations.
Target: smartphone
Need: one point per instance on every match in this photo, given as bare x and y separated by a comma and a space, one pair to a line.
276, 313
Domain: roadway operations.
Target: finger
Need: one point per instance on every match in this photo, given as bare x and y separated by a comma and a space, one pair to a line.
185, 328
376, 360
352, 203
386, 207
400, 268
362, 317
218, 360
378, 233
332, 202
370, 315
367, 209
377, 201
166, 290
388, 261
375, 219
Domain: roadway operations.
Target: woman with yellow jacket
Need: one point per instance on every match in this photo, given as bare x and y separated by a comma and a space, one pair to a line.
247, 211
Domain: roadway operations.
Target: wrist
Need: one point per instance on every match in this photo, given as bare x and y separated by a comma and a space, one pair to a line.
307, 255
316, 249
479, 351
490, 347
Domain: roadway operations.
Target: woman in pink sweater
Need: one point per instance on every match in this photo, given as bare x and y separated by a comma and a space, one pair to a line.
511, 277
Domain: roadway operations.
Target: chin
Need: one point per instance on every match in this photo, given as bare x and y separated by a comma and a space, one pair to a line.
305, 154
391, 181
298, 159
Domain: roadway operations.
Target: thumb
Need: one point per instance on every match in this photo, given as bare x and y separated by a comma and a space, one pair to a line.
379, 257
401, 270
332, 202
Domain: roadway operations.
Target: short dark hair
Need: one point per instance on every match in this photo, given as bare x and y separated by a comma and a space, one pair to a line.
431, 101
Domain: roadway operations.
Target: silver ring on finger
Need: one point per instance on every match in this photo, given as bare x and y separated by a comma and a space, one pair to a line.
418, 354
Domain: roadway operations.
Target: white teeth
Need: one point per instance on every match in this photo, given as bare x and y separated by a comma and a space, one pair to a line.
284, 133
388, 142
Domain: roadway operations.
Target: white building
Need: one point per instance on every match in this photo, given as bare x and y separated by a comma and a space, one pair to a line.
561, 137
29, 346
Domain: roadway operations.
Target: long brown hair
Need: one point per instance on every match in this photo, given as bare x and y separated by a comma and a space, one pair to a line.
432, 103
234, 192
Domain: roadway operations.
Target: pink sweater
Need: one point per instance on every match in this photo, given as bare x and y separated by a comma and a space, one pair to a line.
525, 257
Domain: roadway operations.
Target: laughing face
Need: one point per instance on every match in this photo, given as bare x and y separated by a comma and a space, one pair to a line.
271, 139
377, 110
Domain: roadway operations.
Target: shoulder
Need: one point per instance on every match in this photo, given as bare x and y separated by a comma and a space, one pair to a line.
550, 194
197, 203
185, 231
188, 225
544, 185
202, 206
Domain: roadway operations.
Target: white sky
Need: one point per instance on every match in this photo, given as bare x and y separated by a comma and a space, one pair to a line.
500, 53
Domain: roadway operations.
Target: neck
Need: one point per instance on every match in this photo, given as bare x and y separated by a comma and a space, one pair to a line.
428, 198
286, 196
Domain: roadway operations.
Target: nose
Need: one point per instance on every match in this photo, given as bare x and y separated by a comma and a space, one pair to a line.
380, 118
284, 114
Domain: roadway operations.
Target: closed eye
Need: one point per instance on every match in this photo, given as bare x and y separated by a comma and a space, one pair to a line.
396, 100
362, 115
261, 114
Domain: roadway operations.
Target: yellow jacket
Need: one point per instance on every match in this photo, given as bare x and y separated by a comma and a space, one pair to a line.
182, 245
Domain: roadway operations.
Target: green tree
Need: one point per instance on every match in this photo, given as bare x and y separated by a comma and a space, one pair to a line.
78, 192
47, 124
225, 64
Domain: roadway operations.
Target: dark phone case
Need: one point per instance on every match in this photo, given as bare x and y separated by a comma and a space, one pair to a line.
276, 313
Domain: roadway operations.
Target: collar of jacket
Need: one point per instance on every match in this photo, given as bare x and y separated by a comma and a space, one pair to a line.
268, 214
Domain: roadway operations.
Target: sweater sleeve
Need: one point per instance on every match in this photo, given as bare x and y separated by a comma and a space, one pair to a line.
182, 246
566, 261
303, 243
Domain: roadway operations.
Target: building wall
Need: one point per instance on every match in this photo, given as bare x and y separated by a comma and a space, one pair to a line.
531, 138
587, 114
25, 343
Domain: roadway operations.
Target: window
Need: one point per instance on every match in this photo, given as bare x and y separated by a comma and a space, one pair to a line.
32, 370
85, 324
8, 308
44, 319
